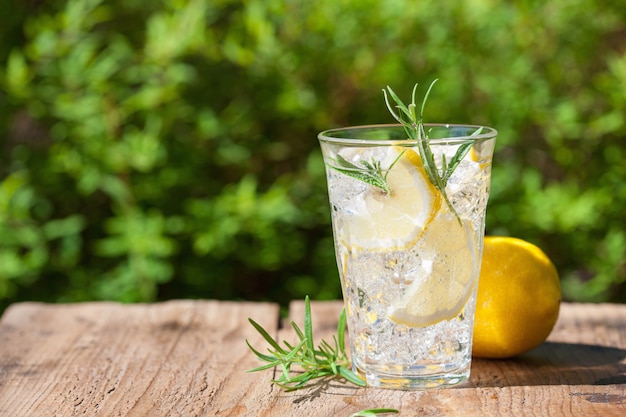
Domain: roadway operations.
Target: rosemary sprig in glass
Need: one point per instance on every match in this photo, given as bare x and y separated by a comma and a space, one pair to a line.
324, 361
370, 172
414, 127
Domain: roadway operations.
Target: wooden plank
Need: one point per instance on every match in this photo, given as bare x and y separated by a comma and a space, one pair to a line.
188, 358
580, 371
179, 358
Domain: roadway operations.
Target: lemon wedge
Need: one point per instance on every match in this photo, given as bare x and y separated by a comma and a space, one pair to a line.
396, 220
443, 293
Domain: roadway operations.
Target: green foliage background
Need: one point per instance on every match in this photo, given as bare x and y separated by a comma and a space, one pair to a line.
167, 148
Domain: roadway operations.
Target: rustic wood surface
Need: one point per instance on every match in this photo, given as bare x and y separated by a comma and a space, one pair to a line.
188, 358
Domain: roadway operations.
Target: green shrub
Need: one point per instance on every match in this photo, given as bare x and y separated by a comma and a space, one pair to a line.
166, 149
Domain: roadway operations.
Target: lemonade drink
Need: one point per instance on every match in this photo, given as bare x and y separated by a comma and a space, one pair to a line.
408, 251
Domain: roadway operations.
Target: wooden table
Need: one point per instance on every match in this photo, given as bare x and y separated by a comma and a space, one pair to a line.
188, 358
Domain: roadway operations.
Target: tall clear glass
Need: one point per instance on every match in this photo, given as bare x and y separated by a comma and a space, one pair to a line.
408, 222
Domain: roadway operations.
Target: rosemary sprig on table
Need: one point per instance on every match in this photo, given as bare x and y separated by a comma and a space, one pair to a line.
372, 412
327, 361
324, 361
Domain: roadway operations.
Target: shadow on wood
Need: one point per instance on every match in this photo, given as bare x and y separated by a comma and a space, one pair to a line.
553, 363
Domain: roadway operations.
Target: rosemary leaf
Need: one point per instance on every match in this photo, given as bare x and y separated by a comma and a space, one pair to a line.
341, 330
350, 376
266, 336
308, 324
448, 170
373, 412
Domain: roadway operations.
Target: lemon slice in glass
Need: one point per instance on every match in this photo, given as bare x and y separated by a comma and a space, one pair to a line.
396, 220
442, 294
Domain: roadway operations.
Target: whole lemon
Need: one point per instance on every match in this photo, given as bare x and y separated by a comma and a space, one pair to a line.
519, 295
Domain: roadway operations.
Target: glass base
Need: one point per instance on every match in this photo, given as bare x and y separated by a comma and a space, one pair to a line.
415, 377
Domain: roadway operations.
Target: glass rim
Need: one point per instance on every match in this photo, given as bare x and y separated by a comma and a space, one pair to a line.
327, 135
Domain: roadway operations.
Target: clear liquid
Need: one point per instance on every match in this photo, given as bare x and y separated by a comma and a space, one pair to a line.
385, 353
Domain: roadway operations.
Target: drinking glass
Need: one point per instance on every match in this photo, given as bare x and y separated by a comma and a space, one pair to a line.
408, 220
